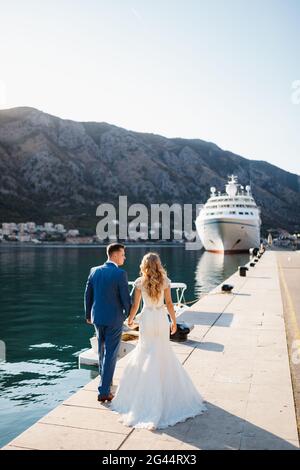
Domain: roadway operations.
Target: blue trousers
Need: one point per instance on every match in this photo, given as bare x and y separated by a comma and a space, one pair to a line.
109, 338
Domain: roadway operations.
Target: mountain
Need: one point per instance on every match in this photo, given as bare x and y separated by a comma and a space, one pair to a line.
59, 170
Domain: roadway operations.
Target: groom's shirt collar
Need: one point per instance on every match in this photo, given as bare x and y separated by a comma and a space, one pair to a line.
110, 261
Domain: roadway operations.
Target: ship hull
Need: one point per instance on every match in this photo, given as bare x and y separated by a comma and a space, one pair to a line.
228, 235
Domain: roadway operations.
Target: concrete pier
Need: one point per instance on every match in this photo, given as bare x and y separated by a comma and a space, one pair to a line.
237, 356
289, 274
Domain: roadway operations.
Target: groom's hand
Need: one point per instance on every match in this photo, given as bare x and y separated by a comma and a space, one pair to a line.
88, 321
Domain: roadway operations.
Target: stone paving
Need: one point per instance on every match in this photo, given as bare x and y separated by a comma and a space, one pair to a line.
289, 273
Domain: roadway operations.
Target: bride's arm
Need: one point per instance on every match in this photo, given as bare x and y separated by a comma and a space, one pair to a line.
170, 307
134, 306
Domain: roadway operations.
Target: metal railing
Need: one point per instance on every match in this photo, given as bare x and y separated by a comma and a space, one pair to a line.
180, 288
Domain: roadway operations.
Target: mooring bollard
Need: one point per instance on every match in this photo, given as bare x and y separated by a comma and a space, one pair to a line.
243, 270
226, 288
253, 251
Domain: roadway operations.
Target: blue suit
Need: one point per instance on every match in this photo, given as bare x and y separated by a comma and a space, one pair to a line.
107, 304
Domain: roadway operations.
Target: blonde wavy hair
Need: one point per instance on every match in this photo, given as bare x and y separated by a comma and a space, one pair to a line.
153, 275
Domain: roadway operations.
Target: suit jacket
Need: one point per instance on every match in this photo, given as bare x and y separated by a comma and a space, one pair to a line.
107, 300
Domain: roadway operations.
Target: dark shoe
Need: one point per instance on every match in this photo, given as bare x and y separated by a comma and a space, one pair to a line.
104, 398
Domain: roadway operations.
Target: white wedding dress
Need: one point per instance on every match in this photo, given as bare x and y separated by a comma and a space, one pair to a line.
155, 391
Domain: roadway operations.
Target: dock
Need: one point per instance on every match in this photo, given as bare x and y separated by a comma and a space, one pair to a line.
238, 358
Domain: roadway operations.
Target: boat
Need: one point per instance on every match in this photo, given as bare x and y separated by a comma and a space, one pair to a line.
89, 357
229, 222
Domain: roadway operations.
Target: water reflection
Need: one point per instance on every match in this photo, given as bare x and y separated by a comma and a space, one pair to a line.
213, 268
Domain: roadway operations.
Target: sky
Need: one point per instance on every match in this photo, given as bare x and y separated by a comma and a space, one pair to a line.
224, 71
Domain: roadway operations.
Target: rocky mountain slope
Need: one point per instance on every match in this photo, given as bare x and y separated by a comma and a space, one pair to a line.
61, 170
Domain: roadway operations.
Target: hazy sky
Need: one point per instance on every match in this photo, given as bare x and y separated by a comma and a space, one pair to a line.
218, 70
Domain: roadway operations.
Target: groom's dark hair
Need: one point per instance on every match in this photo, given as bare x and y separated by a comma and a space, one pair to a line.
110, 249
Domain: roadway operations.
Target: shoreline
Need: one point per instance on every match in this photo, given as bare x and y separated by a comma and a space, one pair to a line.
86, 245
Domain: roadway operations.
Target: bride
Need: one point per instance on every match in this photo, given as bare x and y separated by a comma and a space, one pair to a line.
154, 391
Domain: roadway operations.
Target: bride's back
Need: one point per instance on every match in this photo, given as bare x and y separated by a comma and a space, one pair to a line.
147, 299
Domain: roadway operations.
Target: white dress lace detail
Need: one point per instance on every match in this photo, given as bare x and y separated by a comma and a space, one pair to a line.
155, 391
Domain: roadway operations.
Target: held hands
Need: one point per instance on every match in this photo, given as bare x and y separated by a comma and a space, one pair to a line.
131, 324
88, 321
173, 328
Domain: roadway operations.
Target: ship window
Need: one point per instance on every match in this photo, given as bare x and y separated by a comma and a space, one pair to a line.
241, 213
231, 212
247, 213
251, 213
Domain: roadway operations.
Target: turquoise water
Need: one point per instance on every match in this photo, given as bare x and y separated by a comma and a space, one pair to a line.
42, 326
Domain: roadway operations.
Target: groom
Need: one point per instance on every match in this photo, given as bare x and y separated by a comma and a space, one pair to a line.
106, 298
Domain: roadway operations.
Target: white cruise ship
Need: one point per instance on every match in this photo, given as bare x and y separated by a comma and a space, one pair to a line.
230, 222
